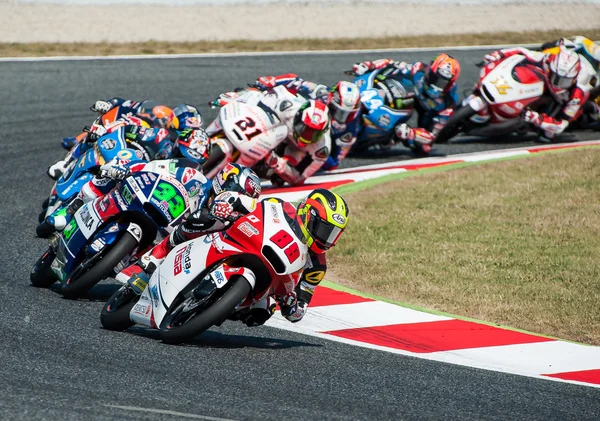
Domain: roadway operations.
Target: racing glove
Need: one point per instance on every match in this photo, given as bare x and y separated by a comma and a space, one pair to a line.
223, 207
493, 56
114, 172
360, 69
101, 106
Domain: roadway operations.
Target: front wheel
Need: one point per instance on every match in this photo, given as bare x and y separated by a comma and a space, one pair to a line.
455, 124
179, 325
102, 265
44, 229
41, 275
115, 313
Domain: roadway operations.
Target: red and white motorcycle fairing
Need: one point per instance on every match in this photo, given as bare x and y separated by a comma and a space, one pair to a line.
505, 89
252, 126
264, 234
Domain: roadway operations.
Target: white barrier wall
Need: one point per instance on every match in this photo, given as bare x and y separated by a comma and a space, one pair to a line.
193, 20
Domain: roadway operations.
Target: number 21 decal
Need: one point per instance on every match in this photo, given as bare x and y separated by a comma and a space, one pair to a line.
245, 125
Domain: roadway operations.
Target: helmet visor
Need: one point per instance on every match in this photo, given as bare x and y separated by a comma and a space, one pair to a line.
437, 82
561, 82
343, 115
324, 233
306, 135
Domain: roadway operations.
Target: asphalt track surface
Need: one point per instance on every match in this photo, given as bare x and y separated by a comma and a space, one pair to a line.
56, 362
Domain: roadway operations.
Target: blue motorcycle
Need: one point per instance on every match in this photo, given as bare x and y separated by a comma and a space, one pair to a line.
82, 170
106, 233
378, 119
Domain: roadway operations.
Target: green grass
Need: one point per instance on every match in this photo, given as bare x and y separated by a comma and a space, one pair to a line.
513, 242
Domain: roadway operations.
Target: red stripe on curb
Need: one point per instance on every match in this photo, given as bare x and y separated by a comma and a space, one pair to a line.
408, 167
329, 297
585, 376
553, 148
445, 335
307, 187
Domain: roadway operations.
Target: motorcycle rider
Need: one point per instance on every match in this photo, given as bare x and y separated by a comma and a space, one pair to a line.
307, 143
158, 146
435, 86
563, 71
158, 118
343, 101
322, 217
234, 178
591, 52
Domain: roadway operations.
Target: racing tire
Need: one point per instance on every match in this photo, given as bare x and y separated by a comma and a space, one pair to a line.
42, 216
115, 313
44, 229
216, 156
41, 275
216, 313
109, 258
45, 203
455, 124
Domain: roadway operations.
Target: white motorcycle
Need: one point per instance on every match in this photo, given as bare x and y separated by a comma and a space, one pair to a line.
247, 128
204, 281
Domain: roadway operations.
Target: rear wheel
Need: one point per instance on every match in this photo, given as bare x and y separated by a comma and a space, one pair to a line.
184, 323
115, 313
41, 275
455, 124
93, 269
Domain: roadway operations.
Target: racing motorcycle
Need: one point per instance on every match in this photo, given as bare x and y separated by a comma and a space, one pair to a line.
110, 146
505, 88
244, 132
377, 121
80, 171
106, 233
207, 280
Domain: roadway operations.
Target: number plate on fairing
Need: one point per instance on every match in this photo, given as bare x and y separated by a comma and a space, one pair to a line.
218, 276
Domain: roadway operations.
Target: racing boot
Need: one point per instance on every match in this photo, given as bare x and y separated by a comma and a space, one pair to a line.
62, 217
147, 264
257, 314
54, 171
69, 142
415, 139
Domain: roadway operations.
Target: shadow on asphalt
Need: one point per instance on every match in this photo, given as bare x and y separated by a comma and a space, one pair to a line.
99, 293
212, 339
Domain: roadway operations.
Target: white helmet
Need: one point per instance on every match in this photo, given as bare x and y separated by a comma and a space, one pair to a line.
344, 102
562, 69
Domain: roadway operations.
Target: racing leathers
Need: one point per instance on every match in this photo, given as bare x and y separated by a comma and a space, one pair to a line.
590, 51
343, 134
290, 163
433, 109
218, 215
567, 106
